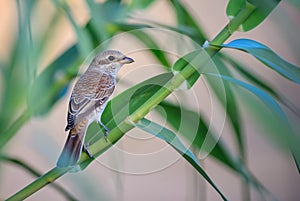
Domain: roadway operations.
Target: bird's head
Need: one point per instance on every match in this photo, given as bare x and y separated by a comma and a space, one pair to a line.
110, 61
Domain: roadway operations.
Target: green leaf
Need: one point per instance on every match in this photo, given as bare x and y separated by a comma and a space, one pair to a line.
140, 4
83, 38
268, 57
52, 83
186, 21
295, 3
197, 59
173, 140
145, 38
185, 122
263, 84
228, 101
263, 9
268, 115
195, 129
20, 68
97, 24
128, 101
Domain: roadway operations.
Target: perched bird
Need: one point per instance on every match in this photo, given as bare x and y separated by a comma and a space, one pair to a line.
88, 100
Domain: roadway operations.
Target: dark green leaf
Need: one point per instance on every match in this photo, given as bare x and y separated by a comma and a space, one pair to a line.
268, 57
185, 122
225, 95
263, 9
128, 101
171, 138
140, 4
195, 129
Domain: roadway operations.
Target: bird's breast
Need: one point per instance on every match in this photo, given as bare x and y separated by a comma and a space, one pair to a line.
96, 114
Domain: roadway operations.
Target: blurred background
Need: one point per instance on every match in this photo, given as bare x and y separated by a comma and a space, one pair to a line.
118, 175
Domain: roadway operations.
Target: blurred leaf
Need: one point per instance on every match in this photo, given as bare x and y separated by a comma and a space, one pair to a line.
171, 138
83, 38
186, 30
104, 14
124, 26
46, 90
185, 122
140, 4
195, 129
97, 23
47, 33
186, 20
263, 9
268, 115
268, 57
52, 83
295, 3
153, 46
20, 68
260, 82
228, 101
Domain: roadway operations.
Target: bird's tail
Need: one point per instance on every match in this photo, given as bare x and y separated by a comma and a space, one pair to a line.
73, 146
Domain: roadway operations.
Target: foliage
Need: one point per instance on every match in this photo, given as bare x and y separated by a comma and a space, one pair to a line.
128, 109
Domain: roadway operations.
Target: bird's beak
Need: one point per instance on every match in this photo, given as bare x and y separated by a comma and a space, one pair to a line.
126, 60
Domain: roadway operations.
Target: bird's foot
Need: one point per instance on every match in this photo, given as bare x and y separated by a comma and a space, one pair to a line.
85, 149
106, 133
105, 128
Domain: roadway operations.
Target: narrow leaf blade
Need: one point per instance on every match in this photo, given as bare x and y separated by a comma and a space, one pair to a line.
268, 57
268, 115
173, 140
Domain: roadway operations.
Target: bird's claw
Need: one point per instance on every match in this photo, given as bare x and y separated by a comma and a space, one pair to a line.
106, 133
106, 130
85, 148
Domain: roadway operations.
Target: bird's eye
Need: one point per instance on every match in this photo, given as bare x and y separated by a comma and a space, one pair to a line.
111, 58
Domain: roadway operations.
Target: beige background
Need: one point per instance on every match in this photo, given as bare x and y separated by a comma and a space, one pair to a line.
40, 141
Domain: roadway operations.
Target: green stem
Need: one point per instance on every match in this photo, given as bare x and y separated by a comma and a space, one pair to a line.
39, 183
101, 145
9, 133
233, 25
35, 173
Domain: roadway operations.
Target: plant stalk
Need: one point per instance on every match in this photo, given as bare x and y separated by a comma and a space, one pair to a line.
101, 145
39, 183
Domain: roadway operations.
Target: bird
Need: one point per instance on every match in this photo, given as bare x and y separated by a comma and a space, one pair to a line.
88, 100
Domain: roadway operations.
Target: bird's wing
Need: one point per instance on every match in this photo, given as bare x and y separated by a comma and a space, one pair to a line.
91, 90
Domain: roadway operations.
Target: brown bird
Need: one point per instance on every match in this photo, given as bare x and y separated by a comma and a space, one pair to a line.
88, 100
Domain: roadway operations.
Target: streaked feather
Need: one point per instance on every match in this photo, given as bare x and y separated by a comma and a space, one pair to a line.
92, 90
88, 100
